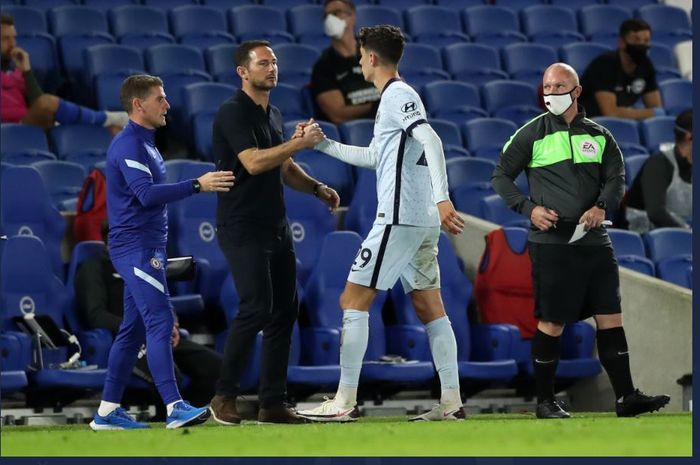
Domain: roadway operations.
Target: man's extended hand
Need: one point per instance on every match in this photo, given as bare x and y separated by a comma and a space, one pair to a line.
449, 218
216, 181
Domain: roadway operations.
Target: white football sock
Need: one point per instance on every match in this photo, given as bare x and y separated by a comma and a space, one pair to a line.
106, 408
353, 344
444, 349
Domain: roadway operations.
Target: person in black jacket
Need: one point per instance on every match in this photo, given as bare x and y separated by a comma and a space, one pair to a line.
662, 193
576, 174
99, 293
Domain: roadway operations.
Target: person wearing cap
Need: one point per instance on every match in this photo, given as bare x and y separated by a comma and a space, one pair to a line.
662, 193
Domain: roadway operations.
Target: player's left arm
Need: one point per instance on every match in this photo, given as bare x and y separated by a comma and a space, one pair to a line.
432, 147
295, 177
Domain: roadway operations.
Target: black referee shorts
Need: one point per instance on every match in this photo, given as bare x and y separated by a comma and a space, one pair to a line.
574, 282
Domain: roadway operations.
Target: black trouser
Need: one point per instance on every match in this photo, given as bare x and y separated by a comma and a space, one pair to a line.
263, 266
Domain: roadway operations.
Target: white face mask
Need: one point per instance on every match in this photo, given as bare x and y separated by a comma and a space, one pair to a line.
558, 103
334, 27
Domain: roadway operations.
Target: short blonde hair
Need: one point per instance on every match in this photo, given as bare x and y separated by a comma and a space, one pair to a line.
137, 86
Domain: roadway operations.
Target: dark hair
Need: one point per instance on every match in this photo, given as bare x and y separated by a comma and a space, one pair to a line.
7, 20
684, 125
349, 3
384, 40
633, 25
137, 86
243, 51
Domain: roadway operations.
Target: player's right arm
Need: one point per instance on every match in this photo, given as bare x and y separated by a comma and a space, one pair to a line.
364, 157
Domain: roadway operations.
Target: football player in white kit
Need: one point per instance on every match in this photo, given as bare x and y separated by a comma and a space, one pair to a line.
403, 243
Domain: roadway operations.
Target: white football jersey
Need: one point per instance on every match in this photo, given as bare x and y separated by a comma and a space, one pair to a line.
404, 190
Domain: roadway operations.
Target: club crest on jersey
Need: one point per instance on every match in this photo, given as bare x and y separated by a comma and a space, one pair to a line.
409, 107
589, 148
155, 263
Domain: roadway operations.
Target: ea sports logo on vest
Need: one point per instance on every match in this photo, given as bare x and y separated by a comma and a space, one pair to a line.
206, 231
589, 148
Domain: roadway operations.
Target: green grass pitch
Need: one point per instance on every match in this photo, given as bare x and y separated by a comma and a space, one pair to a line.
587, 434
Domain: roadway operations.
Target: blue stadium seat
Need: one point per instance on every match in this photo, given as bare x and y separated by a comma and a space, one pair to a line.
224, 5
15, 356
259, 22
574, 4
515, 5
26, 210
676, 95
45, 5
670, 24
664, 243
322, 292
63, 181
310, 221
76, 20
656, 131
285, 4
601, 23
527, 62
473, 63
538, 21
110, 59
107, 88
421, 21
632, 4
85, 144
459, 4
494, 26
511, 100
462, 171
29, 286
371, 15
633, 165
677, 270
358, 132
138, 21
467, 197
306, 23
290, 102
400, 4
41, 47
146, 40
312, 361
206, 40
626, 134
220, 63
664, 61
229, 302
362, 210
27, 20
106, 5
172, 58
629, 251
196, 19
167, 4
452, 100
421, 65
580, 54
295, 62
485, 137
495, 210
451, 138
18, 139
205, 97
202, 129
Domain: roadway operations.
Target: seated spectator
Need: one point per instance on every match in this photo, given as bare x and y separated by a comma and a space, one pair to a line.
99, 294
662, 193
615, 80
339, 90
23, 101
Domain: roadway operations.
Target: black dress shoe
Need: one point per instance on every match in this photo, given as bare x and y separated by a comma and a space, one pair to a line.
637, 403
281, 414
551, 409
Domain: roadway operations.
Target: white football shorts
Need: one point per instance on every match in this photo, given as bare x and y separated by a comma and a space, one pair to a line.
394, 251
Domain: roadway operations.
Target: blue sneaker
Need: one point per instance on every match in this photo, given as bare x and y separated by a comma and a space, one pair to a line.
117, 419
186, 415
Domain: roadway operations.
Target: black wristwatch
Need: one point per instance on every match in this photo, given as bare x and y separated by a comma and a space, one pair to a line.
602, 204
317, 186
197, 186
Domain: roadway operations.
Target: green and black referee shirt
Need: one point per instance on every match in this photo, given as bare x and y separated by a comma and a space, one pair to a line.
569, 168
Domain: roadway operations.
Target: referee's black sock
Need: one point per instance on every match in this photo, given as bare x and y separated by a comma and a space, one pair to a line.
545, 358
614, 356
